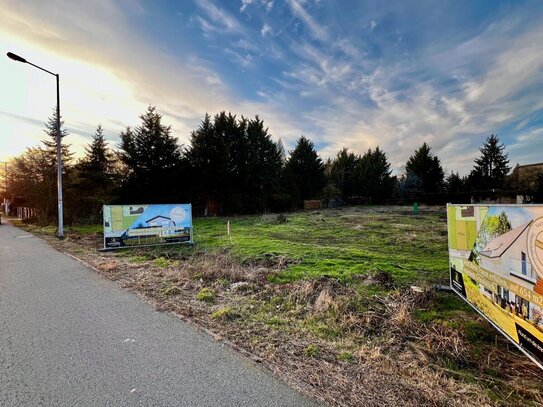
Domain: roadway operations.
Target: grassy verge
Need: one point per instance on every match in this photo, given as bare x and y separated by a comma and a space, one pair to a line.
323, 299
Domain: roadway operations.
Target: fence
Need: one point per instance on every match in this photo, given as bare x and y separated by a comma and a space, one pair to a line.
25, 213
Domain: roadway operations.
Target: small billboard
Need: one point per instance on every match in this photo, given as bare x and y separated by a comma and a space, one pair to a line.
146, 225
496, 265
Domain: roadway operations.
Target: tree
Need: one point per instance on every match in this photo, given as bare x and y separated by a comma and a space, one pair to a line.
427, 168
95, 177
33, 175
373, 178
492, 227
304, 172
31, 183
152, 158
454, 184
492, 166
342, 172
50, 143
408, 187
235, 162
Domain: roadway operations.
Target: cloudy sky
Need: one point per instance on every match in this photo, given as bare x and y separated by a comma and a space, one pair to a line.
354, 74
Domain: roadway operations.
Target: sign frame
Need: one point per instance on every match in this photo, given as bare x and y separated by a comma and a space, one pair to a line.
498, 280
161, 227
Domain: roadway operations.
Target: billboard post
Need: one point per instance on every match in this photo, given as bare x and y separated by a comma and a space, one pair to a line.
496, 266
147, 225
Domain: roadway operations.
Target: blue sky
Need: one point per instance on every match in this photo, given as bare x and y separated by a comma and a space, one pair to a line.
343, 73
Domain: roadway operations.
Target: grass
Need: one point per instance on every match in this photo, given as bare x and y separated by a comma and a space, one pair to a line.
328, 285
206, 295
340, 244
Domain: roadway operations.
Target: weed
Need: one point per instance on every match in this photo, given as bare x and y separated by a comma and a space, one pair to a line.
345, 357
161, 262
224, 313
312, 351
206, 295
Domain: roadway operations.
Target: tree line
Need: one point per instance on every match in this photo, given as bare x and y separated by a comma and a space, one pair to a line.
232, 164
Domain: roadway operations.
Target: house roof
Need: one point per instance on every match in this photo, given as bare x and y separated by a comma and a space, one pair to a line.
497, 246
157, 217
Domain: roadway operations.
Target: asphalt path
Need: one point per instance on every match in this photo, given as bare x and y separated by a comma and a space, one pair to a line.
69, 337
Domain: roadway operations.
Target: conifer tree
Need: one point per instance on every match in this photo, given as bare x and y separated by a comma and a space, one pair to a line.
427, 167
304, 172
373, 176
95, 172
492, 166
151, 157
342, 172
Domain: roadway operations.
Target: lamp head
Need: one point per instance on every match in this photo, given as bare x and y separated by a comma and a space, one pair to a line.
17, 58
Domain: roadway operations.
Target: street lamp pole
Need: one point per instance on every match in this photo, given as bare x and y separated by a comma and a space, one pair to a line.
60, 230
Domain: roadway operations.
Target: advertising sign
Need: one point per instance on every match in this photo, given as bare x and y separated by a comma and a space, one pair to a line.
496, 265
145, 225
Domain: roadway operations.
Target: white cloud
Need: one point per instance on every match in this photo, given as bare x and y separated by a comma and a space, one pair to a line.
244, 4
266, 30
317, 30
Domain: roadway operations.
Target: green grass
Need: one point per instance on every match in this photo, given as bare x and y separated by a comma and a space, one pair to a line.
337, 243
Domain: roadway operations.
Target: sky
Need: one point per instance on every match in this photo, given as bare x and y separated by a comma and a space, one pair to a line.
355, 74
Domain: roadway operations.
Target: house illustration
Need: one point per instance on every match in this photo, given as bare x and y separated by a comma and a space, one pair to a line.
506, 256
162, 222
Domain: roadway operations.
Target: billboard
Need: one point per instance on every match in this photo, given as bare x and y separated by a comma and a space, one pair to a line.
496, 265
145, 225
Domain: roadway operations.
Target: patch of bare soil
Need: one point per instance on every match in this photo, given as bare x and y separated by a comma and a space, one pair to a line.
320, 336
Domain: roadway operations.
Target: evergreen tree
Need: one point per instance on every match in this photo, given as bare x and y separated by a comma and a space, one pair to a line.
152, 158
454, 184
95, 171
373, 176
304, 172
342, 172
235, 162
427, 168
50, 143
492, 166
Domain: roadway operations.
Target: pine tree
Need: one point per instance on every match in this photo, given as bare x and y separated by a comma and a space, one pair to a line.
235, 162
342, 172
492, 166
304, 172
454, 184
152, 157
427, 168
373, 176
50, 143
95, 183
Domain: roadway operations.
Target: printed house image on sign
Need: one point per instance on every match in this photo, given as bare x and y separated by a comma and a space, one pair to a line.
161, 222
506, 255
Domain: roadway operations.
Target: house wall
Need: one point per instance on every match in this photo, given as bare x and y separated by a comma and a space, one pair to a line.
511, 262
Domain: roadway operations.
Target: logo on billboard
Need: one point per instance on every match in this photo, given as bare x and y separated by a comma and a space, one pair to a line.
178, 214
535, 246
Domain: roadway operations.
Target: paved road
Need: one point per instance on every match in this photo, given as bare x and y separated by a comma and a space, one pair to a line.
69, 337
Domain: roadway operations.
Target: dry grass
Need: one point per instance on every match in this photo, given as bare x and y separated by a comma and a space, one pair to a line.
392, 358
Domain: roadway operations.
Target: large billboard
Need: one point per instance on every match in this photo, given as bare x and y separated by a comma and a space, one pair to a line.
145, 225
496, 265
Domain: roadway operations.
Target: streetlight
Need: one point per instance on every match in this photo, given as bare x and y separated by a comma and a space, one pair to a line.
60, 230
